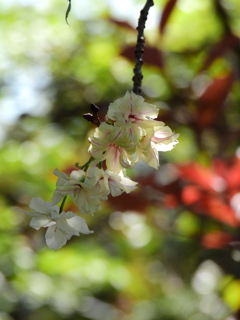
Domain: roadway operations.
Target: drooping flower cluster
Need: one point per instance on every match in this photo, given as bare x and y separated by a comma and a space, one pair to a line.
128, 135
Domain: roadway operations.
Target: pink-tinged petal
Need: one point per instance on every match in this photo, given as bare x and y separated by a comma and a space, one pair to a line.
112, 158
163, 134
94, 142
131, 106
117, 135
125, 163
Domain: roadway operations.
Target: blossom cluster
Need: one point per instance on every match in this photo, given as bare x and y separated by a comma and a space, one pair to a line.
128, 135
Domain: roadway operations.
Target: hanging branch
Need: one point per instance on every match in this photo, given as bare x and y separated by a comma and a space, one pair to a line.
139, 51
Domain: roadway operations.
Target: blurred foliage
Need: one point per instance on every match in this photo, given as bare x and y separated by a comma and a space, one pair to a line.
168, 251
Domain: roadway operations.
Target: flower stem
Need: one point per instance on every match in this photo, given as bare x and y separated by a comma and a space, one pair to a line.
62, 204
85, 166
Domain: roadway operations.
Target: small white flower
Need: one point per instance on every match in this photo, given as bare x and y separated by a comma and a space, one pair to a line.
61, 226
161, 138
164, 139
132, 106
86, 197
115, 144
110, 183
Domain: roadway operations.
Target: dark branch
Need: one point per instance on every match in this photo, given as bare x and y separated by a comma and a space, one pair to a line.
68, 11
223, 16
93, 117
225, 20
139, 51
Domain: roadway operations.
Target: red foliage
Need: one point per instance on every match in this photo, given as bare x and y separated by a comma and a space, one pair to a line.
69, 169
197, 174
228, 41
171, 201
216, 240
149, 192
166, 14
122, 24
152, 55
136, 201
211, 101
191, 195
209, 190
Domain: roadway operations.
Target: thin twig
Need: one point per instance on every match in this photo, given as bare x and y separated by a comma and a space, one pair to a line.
68, 11
139, 51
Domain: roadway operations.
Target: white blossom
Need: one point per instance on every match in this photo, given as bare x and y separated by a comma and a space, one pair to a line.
86, 197
61, 226
130, 135
114, 144
110, 183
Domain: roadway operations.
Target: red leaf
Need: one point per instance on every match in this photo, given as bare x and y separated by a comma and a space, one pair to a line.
197, 174
152, 55
216, 208
190, 195
228, 41
216, 240
134, 201
233, 176
170, 201
220, 167
122, 24
166, 14
209, 105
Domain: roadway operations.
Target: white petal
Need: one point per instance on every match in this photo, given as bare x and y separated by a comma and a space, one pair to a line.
36, 214
55, 238
39, 205
79, 224
77, 175
115, 188
128, 185
57, 197
87, 200
40, 222
66, 228
59, 174
165, 147
66, 215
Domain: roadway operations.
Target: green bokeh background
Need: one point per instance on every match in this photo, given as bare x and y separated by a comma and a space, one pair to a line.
134, 267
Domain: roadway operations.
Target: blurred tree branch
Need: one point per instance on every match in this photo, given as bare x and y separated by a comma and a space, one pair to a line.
225, 20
